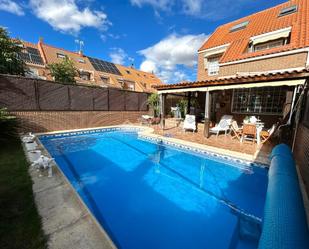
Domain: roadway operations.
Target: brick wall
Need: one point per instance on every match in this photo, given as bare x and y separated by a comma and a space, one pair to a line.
44, 121
49, 106
301, 153
282, 62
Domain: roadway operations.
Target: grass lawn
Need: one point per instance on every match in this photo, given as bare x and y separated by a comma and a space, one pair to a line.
20, 224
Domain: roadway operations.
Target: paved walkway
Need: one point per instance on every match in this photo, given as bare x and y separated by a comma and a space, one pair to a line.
260, 152
66, 222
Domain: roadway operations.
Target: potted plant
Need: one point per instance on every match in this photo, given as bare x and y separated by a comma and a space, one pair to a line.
154, 103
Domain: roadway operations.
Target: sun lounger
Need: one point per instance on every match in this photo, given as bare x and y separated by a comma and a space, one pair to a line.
223, 125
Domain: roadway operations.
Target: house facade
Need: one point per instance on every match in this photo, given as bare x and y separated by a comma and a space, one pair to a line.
271, 40
257, 65
90, 70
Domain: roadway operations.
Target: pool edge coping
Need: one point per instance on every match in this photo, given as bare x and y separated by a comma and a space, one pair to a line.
149, 132
80, 200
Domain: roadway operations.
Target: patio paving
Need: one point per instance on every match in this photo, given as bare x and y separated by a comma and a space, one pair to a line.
223, 142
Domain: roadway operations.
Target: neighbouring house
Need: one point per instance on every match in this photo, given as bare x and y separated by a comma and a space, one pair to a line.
91, 71
257, 65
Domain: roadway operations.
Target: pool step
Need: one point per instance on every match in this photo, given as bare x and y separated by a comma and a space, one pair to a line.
247, 233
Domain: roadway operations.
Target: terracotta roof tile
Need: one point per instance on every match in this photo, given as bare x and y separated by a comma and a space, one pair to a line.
144, 80
250, 78
260, 23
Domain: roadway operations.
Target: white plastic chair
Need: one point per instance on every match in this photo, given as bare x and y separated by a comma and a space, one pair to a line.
189, 123
223, 125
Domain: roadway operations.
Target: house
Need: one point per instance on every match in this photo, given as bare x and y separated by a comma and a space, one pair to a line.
257, 65
91, 71
268, 41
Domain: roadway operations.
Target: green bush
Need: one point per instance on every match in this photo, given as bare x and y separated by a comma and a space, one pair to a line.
10, 61
64, 71
154, 103
8, 125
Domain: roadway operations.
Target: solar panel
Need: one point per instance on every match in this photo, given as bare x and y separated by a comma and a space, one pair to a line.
104, 66
31, 55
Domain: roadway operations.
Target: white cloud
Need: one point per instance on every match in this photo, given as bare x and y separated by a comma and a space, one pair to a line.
66, 16
156, 4
12, 7
119, 56
148, 66
193, 7
208, 9
104, 37
168, 56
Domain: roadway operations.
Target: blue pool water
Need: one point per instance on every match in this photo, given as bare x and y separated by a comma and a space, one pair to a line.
147, 195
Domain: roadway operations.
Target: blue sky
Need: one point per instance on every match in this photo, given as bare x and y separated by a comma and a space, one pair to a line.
155, 35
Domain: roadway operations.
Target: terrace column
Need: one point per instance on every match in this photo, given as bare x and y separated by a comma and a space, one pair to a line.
207, 114
189, 103
162, 107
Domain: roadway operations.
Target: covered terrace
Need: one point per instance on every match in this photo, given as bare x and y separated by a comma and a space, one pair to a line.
268, 97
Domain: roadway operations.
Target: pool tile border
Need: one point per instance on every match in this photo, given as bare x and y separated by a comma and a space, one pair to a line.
146, 133
200, 151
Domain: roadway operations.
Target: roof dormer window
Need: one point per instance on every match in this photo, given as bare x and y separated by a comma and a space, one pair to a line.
60, 55
270, 40
288, 10
239, 26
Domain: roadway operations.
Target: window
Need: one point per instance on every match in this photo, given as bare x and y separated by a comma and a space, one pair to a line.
269, 45
81, 60
239, 26
213, 65
62, 56
288, 10
32, 72
127, 85
262, 100
128, 72
84, 75
105, 79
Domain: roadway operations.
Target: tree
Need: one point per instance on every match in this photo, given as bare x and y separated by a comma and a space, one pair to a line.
10, 61
64, 71
154, 103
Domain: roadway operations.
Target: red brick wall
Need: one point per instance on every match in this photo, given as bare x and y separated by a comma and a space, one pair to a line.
44, 121
301, 153
277, 63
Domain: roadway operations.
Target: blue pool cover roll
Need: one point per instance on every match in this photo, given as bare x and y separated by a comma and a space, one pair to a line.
284, 223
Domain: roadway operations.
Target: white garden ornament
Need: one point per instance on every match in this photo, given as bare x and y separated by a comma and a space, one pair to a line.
43, 163
29, 138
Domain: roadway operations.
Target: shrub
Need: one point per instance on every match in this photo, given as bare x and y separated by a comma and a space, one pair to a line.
10, 61
64, 71
8, 125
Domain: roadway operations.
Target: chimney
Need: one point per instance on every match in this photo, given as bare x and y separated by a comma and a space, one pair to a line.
80, 52
41, 40
132, 65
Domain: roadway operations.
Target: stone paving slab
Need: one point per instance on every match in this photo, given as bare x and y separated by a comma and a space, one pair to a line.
66, 221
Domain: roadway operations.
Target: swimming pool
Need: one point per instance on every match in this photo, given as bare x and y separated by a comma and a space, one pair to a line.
149, 195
